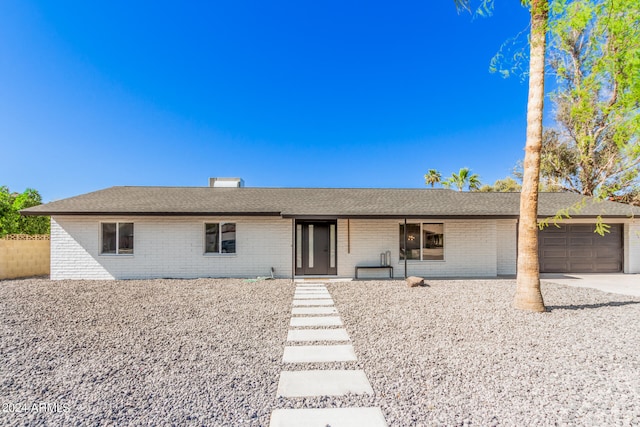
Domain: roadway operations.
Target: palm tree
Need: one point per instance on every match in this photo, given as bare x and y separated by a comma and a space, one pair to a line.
432, 177
528, 295
462, 178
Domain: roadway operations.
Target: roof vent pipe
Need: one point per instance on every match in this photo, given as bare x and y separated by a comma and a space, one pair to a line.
226, 182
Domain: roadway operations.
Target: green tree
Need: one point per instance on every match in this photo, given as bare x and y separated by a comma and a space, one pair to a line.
594, 52
506, 185
11, 222
463, 178
432, 177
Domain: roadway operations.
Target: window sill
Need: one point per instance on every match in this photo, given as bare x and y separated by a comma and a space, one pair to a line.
420, 261
221, 255
118, 255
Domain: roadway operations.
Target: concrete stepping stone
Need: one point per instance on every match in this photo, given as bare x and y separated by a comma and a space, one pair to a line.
319, 354
314, 310
312, 302
323, 383
311, 290
322, 417
316, 321
312, 296
320, 293
318, 335
311, 284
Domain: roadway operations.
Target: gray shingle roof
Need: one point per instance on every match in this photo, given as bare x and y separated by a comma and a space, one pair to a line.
317, 202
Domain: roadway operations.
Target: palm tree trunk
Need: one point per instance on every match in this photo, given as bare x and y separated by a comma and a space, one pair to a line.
528, 295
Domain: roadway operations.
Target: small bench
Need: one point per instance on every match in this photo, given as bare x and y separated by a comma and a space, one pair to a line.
388, 267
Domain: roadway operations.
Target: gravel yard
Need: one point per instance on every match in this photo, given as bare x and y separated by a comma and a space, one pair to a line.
208, 352
157, 352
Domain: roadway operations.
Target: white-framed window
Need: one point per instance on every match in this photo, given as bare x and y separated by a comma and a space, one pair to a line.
425, 241
220, 238
116, 238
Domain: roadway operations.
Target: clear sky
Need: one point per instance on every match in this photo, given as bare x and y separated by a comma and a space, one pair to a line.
283, 93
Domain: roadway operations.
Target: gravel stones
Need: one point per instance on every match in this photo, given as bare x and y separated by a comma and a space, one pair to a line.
209, 352
156, 352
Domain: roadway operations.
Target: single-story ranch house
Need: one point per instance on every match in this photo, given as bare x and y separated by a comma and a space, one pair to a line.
228, 230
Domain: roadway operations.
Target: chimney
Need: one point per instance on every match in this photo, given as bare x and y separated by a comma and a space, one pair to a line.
226, 182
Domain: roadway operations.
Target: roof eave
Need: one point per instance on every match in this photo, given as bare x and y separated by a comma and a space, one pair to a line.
136, 213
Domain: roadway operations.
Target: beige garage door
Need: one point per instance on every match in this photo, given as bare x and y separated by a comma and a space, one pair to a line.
575, 248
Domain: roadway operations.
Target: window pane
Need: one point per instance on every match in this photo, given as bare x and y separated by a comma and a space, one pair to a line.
413, 241
211, 237
298, 245
433, 241
332, 245
125, 238
229, 238
108, 238
310, 228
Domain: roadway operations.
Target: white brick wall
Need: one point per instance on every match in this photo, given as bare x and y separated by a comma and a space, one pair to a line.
470, 248
173, 247
169, 247
632, 247
506, 240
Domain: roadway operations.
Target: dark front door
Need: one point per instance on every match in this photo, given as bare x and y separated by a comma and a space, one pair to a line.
316, 248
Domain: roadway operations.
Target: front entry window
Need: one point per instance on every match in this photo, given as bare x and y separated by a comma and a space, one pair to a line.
424, 242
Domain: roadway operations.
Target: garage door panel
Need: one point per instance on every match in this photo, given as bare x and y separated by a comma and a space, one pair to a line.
555, 241
554, 253
554, 265
552, 229
586, 252
607, 252
607, 267
575, 248
577, 265
581, 241
582, 228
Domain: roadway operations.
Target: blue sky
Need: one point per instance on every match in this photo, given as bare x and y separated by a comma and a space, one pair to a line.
281, 93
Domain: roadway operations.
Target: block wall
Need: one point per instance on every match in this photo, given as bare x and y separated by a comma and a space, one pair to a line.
24, 257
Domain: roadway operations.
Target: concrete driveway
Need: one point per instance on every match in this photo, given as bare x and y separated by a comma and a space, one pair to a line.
624, 284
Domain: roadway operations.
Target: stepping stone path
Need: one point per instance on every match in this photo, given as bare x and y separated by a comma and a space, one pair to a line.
316, 319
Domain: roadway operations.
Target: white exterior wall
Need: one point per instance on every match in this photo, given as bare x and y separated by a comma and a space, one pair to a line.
174, 247
169, 247
632, 247
470, 248
506, 241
